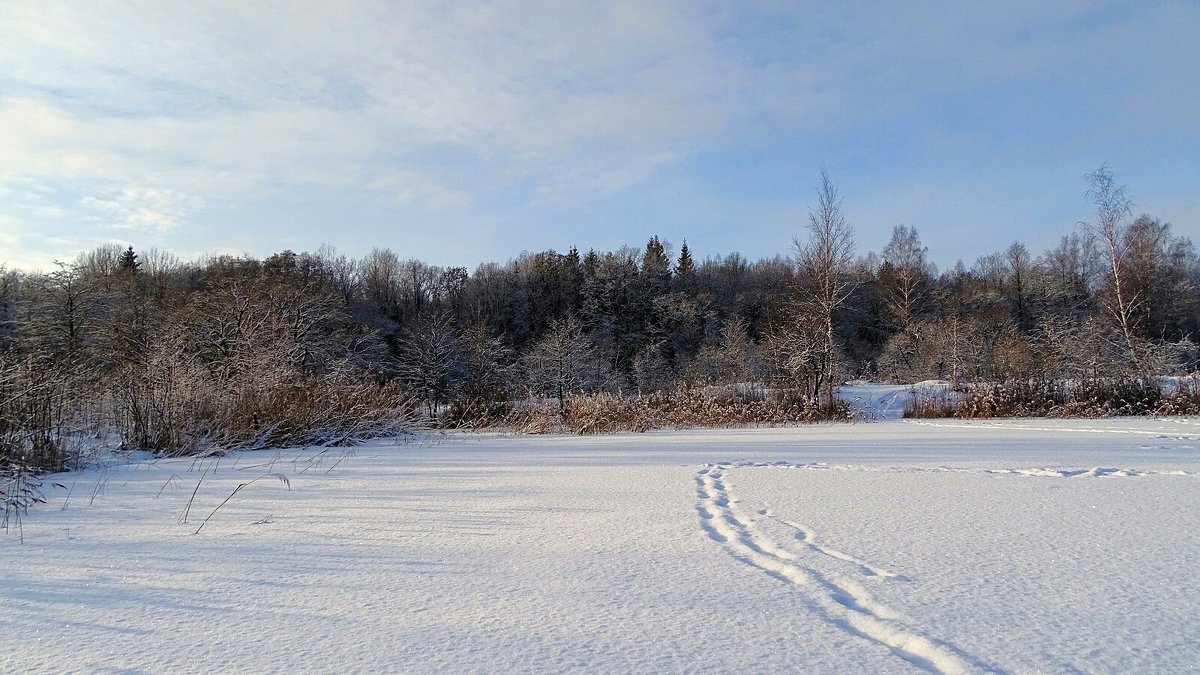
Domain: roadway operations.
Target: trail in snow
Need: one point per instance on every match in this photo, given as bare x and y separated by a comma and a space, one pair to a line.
841, 601
809, 539
1041, 472
1183, 433
876, 401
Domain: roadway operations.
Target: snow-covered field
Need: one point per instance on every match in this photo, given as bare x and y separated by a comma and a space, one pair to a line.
1057, 546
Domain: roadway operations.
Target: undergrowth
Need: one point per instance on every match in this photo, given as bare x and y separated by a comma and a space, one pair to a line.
20, 488
684, 408
1057, 399
308, 411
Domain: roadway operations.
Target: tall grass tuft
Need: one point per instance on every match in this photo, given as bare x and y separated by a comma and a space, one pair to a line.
683, 408
1097, 397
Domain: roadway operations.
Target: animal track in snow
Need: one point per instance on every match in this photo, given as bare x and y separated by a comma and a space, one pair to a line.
1041, 472
840, 601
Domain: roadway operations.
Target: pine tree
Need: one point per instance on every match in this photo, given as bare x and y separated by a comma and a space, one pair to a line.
685, 266
129, 262
573, 279
656, 267
685, 270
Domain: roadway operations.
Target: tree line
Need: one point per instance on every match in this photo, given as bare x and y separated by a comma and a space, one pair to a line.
319, 347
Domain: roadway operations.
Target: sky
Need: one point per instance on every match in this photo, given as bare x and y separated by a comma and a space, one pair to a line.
465, 132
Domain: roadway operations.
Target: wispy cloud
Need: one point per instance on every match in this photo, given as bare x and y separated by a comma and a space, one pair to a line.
154, 210
8, 235
152, 116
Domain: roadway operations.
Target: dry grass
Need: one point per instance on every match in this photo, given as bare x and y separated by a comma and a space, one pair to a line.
1058, 399
279, 413
684, 408
930, 405
1183, 400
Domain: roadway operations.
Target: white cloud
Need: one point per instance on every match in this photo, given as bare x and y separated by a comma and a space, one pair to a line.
8, 231
149, 114
319, 97
144, 209
405, 187
599, 179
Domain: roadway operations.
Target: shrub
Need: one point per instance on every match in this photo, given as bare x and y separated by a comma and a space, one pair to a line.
307, 411
1017, 398
475, 414
1098, 397
683, 408
926, 404
1184, 399
20, 488
38, 410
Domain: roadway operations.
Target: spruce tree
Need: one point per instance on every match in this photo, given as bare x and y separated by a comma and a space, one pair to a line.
685, 264
685, 268
129, 262
656, 266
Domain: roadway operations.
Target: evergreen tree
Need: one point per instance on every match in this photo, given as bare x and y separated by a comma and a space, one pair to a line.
573, 278
685, 266
128, 262
656, 266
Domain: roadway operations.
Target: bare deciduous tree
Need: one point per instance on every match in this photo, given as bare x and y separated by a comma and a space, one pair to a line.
1019, 269
906, 281
429, 357
824, 262
1121, 300
487, 367
558, 363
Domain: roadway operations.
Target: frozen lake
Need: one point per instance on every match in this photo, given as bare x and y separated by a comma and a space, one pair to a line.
884, 547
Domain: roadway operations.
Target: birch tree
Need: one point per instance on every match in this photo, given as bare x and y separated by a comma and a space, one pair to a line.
1121, 300
824, 264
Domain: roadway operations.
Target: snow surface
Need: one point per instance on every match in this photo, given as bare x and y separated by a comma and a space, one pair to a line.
1039, 545
875, 401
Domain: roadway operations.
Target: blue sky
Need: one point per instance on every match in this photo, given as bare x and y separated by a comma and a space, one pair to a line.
465, 132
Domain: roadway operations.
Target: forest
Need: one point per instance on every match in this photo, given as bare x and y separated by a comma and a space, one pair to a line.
142, 350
